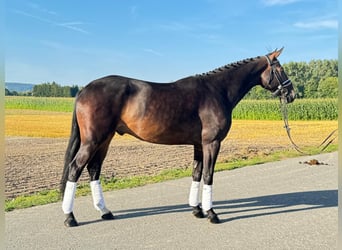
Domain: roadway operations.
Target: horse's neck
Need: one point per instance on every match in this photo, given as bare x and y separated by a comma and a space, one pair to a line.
239, 81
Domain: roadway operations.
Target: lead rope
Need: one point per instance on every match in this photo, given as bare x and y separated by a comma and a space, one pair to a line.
326, 142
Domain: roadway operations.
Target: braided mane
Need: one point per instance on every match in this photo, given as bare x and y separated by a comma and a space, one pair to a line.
229, 66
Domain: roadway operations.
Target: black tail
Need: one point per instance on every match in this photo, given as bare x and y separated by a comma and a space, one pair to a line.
73, 146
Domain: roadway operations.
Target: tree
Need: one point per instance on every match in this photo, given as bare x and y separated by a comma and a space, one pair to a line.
258, 93
306, 77
7, 92
328, 88
297, 72
11, 93
73, 90
54, 90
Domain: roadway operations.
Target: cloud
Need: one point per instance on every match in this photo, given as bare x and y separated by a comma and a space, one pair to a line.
321, 24
41, 9
278, 2
23, 13
73, 26
35, 8
152, 51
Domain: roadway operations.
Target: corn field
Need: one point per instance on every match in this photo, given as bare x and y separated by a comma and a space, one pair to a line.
58, 104
300, 109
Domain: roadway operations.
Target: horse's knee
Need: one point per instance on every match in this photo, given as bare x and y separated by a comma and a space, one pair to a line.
208, 179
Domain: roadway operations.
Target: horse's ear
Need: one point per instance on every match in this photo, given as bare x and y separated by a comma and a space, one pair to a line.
278, 52
275, 54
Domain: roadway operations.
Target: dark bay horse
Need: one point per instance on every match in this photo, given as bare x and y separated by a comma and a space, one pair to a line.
195, 110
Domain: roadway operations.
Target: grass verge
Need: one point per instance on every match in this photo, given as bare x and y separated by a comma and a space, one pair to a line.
51, 196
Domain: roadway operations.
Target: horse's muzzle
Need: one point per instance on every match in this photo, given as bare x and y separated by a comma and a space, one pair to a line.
290, 97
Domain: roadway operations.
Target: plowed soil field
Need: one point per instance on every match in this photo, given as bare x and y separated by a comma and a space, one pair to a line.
34, 164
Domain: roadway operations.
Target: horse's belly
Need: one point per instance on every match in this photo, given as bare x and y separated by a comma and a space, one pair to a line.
160, 132
162, 123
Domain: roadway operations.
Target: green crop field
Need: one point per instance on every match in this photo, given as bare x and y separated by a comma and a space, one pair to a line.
58, 104
300, 109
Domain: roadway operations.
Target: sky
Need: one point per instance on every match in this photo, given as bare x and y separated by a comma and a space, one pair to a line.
75, 42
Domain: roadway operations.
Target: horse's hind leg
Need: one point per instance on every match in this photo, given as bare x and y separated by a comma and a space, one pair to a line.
94, 169
76, 167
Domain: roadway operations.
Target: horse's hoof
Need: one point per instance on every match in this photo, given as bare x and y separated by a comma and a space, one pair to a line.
70, 220
212, 217
108, 216
197, 212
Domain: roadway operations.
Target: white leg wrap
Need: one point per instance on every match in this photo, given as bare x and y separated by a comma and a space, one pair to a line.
96, 191
207, 203
69, 197
194, 194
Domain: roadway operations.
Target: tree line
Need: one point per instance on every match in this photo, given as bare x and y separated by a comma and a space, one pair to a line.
54, 90
48, 90
314, 79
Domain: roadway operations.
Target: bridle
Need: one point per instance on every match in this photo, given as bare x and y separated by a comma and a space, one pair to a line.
282, 93
282, 85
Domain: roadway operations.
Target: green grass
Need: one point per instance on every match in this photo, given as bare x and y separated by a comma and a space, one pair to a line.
51, 196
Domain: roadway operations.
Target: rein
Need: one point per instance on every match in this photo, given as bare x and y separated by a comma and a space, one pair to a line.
325, 143
282, 92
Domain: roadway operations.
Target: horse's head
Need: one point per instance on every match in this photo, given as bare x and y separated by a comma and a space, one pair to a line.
275, 79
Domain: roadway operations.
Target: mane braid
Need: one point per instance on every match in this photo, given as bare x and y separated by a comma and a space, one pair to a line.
229, 66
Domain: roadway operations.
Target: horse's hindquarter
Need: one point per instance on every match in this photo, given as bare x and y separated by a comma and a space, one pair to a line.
161, 113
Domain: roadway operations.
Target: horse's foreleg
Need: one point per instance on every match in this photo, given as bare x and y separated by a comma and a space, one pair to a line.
210, 152
194, 198
94, 169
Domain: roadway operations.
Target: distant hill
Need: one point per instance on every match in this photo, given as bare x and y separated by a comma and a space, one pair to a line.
19, 87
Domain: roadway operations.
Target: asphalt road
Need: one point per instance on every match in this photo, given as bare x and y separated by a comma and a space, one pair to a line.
279, 205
